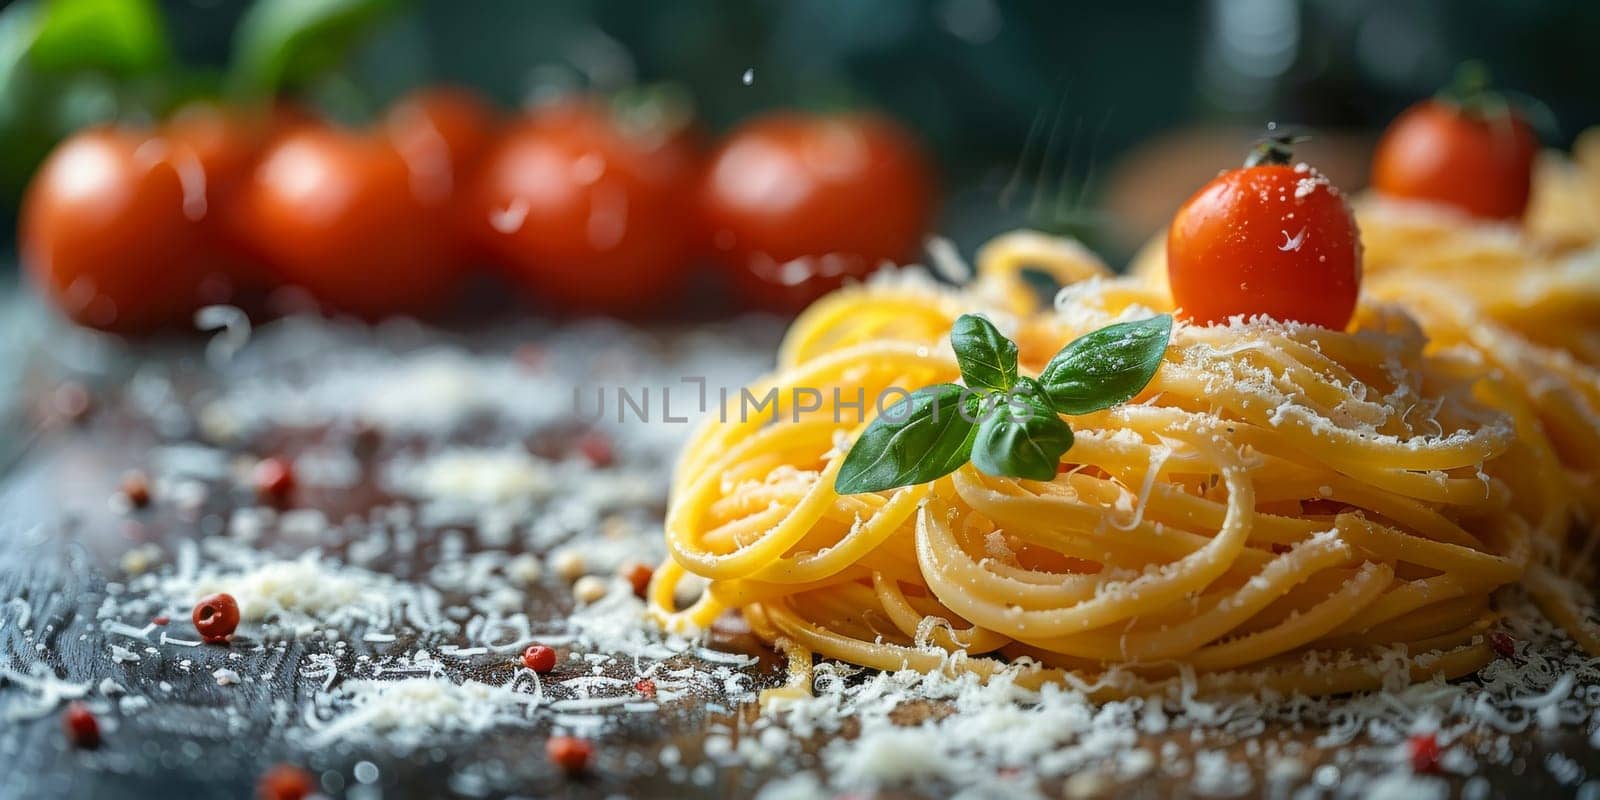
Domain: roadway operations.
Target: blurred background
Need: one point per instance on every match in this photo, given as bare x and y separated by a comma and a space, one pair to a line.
1090, 118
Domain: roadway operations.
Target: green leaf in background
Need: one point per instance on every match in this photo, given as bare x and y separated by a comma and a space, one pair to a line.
26, 135
65, 64
987, 358
18, 25
283, 43
925, 436
1106, 367
119, 37
1023, 437
653, 109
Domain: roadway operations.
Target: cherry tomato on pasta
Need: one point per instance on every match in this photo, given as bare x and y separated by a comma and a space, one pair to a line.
591, 210
1267, 238
343, 215
795, 204
1478, 161
111, 232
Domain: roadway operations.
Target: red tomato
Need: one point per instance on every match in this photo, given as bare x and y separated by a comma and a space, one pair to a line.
223, 144
1270, 239
223, 141
1441, 153
111, 232
343, 215
591, 214
441, 131
796, 204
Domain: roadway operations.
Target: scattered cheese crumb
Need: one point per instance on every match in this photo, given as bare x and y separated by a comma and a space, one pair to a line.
569, 564
589, 588
525, 569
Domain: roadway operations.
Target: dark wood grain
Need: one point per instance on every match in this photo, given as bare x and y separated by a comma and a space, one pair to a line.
59, 545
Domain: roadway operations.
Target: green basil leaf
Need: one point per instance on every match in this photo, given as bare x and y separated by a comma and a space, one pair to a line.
1022, 437
1106, 367
987, 358
925, 436
118, 37
285, 42
22, 123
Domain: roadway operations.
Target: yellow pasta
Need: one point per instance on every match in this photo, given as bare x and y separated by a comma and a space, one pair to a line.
1283, 507
1564, 209
1523, 302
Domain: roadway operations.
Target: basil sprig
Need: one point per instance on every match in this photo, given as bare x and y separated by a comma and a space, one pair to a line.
1106, 367
988, 360
1005, 424
1023, 437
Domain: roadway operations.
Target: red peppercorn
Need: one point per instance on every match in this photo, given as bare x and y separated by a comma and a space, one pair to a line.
1423, 750
569, 753
216, 618
1502, 644
274, 479
639, 576
82, 728
646, 687
160, 620
596, 447
285, 782
539, 658
136, 488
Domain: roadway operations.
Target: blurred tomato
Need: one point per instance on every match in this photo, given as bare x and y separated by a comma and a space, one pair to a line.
591, 211
796, 204
442, 131
343, 215
1478, 161
223, 141
111, 232
223, 144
